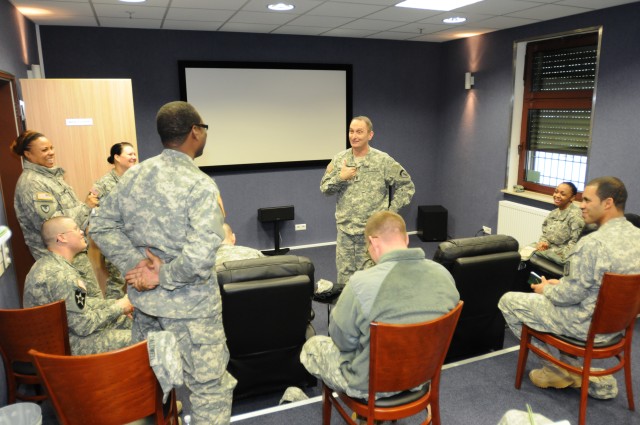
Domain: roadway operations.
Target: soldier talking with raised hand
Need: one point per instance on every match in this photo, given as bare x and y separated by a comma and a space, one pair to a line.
362, 177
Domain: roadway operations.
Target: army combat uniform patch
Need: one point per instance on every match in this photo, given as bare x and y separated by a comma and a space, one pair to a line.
44, 204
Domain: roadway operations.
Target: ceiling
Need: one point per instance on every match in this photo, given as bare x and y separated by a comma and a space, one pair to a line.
377, 19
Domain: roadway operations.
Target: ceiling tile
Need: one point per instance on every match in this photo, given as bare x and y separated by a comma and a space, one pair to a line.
346, 32
170, 24
123, 11
262, 18
548, 11
199, 15
372, 24
502, 22
255, 28
299, 30
345, 9
130, 23
320, 21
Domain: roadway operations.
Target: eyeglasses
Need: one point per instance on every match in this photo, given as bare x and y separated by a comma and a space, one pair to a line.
205, 126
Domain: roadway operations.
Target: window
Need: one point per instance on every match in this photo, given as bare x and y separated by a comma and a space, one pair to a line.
555, 131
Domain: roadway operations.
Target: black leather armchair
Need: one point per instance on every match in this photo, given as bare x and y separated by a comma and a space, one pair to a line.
484, 268
266, 311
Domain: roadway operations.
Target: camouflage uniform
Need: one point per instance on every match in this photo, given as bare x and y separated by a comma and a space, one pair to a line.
116, 286
561, 230
168, 205
228, 252
567, 308
360, 197
96, 325
42, 193
403, 287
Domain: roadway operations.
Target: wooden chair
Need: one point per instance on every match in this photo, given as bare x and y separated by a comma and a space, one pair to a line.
110, 388
616, 309
43, 328
402, 357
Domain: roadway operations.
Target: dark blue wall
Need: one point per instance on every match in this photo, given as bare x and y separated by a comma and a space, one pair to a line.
452, 141
475, 125
393, 83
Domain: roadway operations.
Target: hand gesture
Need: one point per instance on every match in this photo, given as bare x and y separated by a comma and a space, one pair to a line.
346, 172
146, 275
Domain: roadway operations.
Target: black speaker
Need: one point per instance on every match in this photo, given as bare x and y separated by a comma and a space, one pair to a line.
432, 223
275, 213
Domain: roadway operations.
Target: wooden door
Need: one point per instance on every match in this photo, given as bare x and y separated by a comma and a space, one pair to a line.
83, 118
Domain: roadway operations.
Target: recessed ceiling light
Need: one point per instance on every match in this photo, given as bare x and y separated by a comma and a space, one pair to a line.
280, 7
445, 5
454, 20
133, 1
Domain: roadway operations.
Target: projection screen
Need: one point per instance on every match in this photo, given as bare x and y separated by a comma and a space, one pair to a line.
263, 115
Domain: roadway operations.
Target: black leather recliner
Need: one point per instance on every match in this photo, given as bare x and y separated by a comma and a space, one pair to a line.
266, 311
484, 268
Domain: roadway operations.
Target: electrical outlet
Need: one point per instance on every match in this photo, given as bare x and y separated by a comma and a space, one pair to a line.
486, 230
301, 227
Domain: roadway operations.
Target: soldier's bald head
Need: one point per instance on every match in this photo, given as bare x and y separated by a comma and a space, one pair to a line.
53, 227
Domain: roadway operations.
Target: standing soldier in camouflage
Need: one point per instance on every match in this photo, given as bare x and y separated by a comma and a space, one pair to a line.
229, 251
122, 156
96, 325
566, 306
161, 226
42, 193
360, 177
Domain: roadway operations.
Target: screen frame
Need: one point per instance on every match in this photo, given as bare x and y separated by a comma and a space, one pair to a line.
183, 65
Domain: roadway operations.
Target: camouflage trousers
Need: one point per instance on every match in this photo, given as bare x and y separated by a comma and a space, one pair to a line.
204, 353
116, 286
321, 357
537, 312
114, 337
351, 255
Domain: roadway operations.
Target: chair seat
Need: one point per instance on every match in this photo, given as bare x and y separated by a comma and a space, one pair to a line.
581, 343
399, 399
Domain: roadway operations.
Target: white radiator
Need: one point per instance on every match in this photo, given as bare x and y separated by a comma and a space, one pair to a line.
520, 221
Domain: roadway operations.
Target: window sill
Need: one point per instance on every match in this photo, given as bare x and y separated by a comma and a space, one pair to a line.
548, 199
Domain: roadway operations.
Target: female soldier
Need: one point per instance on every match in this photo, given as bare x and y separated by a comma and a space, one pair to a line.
42, 193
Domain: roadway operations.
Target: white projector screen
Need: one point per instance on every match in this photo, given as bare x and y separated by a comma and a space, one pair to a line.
268, 114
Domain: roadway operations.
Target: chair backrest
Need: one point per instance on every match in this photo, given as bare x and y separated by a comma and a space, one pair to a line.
618, 304
277, 291
407, 355
44, 328
116, 387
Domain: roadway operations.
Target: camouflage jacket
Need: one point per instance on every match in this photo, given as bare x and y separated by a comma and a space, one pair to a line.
368, 192
561, 230
53, 278
615, 248
103, 186
42, 193
168, 205
228, 252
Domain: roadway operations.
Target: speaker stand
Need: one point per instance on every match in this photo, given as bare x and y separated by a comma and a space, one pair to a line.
276, 238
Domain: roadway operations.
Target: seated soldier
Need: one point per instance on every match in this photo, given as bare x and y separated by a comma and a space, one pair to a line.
403, 287
229, 251
96, 325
